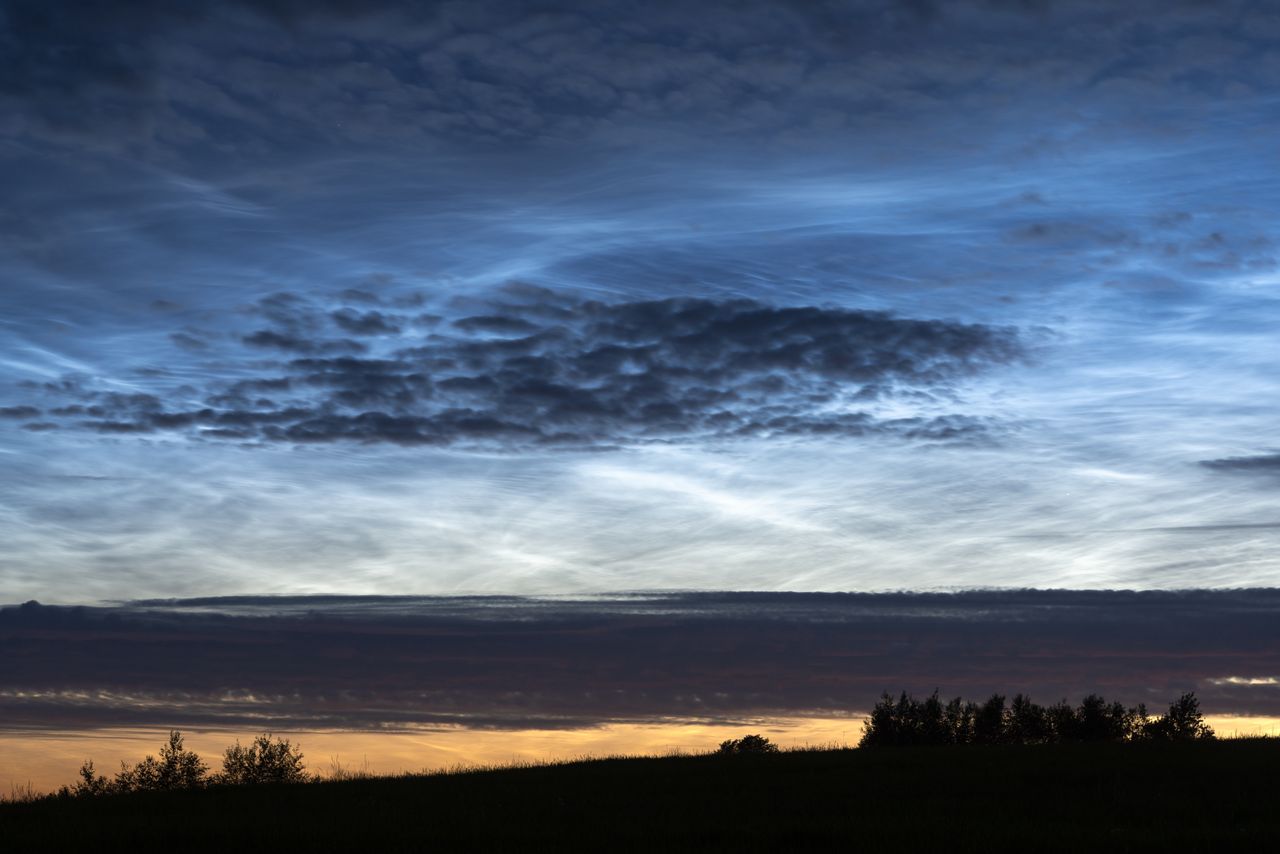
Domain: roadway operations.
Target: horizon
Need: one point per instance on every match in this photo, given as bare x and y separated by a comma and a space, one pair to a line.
416, 683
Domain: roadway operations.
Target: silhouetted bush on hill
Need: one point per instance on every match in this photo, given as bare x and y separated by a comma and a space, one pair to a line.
177, 768
265, 760
748, 745
907, 721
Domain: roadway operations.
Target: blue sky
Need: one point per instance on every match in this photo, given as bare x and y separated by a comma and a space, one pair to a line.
918, 296
474, 362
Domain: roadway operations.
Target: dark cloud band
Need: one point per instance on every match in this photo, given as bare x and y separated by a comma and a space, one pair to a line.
371, 662
1262, 464
485, 74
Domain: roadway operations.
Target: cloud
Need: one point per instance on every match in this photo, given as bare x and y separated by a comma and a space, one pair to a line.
1262, 464
370, 662
270, 339
478, 74
190, 342
557, 370
1103, 172
496, 323
368, 323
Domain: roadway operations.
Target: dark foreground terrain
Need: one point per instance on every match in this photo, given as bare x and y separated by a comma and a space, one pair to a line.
1211, 796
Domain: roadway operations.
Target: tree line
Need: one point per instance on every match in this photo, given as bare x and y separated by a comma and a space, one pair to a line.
264, 760
901, 721
908, 721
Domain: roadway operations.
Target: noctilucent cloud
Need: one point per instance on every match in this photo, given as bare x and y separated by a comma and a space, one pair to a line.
567, 298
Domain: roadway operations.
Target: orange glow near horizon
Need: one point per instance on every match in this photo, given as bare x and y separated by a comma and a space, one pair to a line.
1243, 726
47, 760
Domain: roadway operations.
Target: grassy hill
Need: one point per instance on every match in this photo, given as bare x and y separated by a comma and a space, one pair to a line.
1212, 796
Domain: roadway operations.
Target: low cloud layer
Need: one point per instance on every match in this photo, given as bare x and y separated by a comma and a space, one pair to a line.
376, 662
549, 369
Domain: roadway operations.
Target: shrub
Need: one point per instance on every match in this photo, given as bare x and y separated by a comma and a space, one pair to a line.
1183, 722
265, 760
91, 783
747, 745
177, 768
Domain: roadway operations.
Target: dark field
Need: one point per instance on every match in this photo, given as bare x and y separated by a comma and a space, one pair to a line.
1211, 796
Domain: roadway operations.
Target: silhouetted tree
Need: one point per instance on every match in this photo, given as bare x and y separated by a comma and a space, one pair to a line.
1098, 720
747, 745
958, 716
882, 725
266, 760
177, 768
91, 783
1137, 724
933, 723
906, 720
1028, 722
1183, 722
1062, 722
989, 722
910, 730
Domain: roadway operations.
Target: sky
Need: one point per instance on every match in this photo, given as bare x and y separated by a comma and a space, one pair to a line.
570, 302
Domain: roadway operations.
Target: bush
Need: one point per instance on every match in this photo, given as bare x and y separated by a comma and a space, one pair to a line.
1183, 722
177, 768
91, 783
266, 760
747, 745
907, 720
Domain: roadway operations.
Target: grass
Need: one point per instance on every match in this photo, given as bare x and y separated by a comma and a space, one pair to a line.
20, 793
1213, 796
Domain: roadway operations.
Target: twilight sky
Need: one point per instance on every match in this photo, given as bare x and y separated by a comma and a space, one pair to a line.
569, 298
